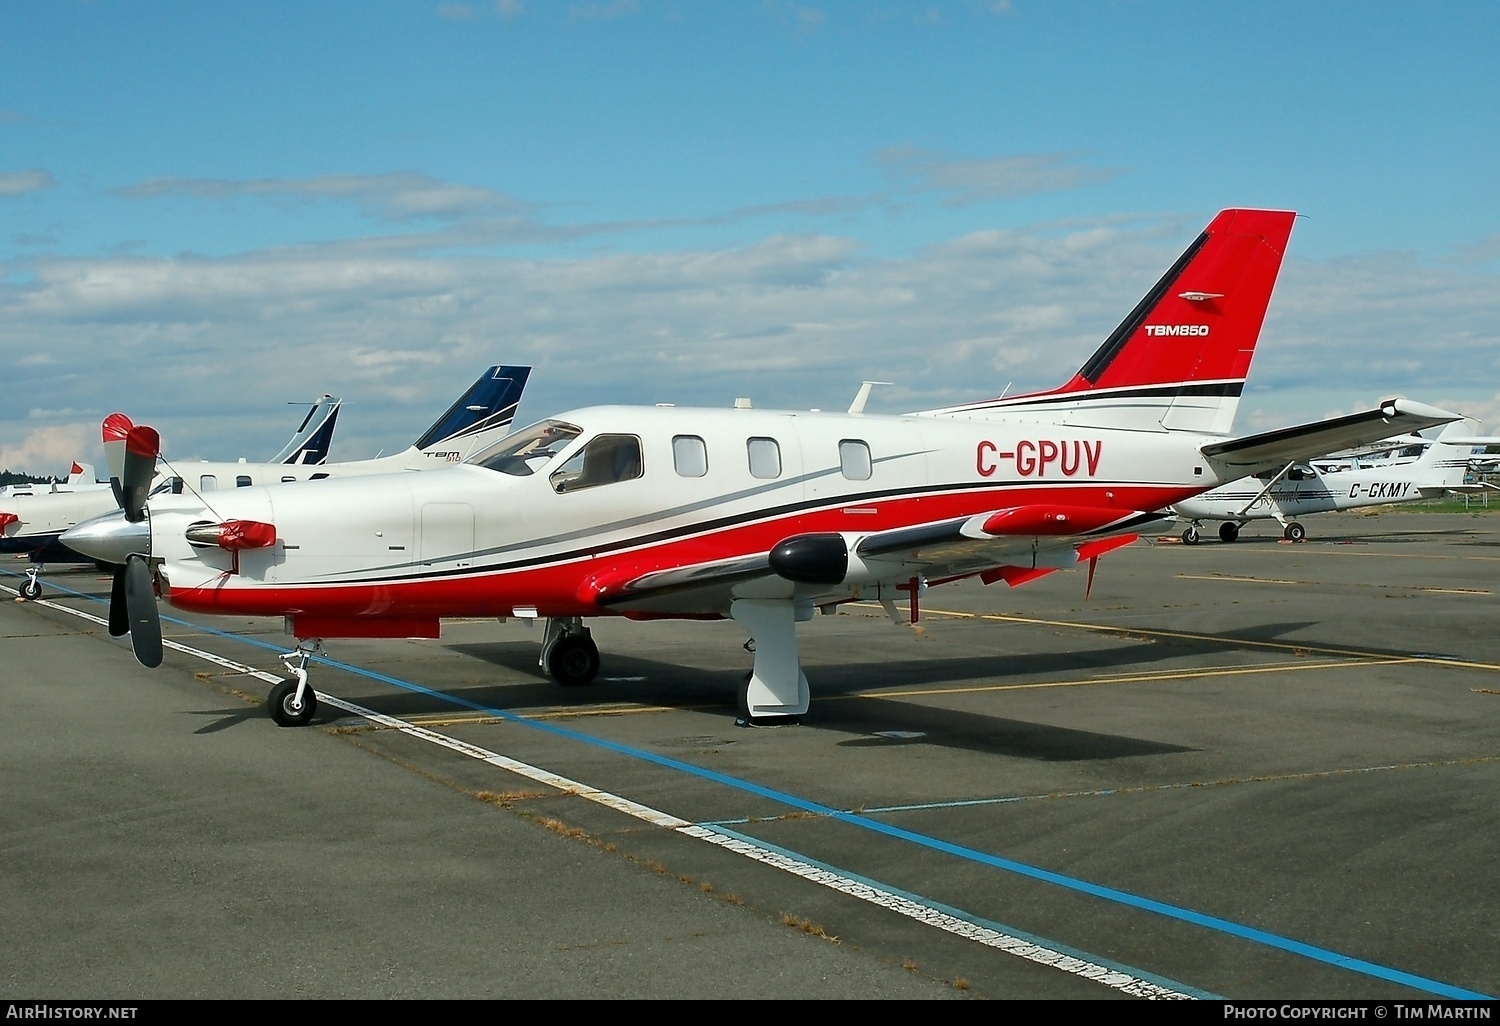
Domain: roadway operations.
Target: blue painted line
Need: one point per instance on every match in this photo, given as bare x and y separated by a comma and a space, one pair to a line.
1111, 894
969, 917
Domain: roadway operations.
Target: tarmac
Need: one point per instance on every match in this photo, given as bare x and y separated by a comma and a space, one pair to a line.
1258, 770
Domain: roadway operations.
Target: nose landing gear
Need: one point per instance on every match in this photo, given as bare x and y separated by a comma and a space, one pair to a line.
293, 702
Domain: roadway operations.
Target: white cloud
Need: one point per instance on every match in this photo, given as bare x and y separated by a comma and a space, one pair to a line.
397, 196
18, 183
50, 449
210, 350
966, 181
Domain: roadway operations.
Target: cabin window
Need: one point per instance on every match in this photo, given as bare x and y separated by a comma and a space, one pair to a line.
528, 450
854, 459
606, 459
318, 477
689, 456
208, 483
288, 479
765, 458
242, 481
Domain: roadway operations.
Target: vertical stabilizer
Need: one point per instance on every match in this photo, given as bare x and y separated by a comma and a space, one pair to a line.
1178, 361
314, 437
482, 415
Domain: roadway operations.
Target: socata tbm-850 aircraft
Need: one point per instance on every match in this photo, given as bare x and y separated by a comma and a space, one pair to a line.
1320, 486
762, 516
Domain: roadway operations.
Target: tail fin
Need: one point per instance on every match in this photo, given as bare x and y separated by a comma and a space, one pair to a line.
1179, 360
482, 415
314, 437
1447, 459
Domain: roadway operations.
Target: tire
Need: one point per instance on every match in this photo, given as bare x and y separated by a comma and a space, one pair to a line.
1295, 532
1228, 531
280, 704
31, 590
573, 661
1190, 536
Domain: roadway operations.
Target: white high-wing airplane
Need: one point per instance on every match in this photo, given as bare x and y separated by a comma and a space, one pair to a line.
80, 478
31, 519
1322, 485
479, 417
762, 516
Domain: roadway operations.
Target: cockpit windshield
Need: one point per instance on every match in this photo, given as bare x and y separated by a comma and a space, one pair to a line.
526, 451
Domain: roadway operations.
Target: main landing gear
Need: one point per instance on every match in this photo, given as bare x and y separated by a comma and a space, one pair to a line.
569, 654
1294, 532
293, 702
775, 691
1229, 531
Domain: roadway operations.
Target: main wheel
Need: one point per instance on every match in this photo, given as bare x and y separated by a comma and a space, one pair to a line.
284, 708
31, 590
1295, 532
1190, 536
1229, 531
574, 660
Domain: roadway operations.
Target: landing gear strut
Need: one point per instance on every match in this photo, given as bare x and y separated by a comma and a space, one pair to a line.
293, 702
776, 690
569, 654
31, 588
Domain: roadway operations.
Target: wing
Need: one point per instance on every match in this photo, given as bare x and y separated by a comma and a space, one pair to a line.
1015, 544
1273, 450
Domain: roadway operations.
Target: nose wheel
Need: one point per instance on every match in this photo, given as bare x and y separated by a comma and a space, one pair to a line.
1190, 536
31, 588
293, 702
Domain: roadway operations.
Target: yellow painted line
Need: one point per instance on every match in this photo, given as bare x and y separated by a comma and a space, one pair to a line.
1336, 550
1129, 679
1361, 584
1243, 580
1149, 632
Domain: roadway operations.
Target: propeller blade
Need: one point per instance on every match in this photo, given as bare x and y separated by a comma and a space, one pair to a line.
1089, 588
142, 446
115, 429
145, 622
119, 616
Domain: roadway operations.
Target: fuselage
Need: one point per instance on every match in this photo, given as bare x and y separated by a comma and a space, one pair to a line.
671, 487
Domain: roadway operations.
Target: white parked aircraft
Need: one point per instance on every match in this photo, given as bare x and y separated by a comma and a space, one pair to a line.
483, 414
31, 519
1322, 485
760, 516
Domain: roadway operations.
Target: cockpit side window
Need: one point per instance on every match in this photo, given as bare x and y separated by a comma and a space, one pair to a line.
606, 459
528, 450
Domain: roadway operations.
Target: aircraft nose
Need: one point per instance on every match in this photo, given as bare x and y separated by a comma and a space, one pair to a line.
109, 538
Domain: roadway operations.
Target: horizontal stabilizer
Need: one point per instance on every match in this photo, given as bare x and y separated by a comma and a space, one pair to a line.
1273, 450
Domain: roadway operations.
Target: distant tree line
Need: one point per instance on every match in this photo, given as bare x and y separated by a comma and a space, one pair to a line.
8, 477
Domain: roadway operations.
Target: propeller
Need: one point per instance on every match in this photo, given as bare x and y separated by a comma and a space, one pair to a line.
130, 453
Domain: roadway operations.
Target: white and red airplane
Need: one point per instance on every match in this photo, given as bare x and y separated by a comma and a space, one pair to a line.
762, 516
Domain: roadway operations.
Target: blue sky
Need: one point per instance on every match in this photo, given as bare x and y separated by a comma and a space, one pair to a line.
209, 210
